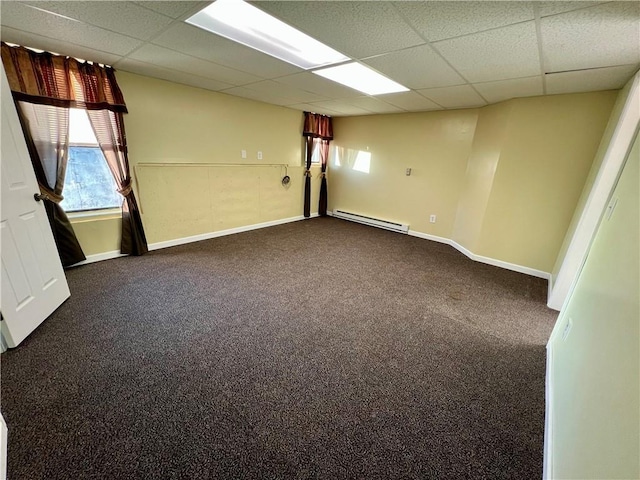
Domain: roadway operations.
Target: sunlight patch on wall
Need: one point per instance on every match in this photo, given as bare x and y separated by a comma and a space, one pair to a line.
357, 160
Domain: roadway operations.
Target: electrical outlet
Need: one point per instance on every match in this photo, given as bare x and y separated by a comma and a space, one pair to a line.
259, 155
432, 218
567, 329
243, 153
407, 172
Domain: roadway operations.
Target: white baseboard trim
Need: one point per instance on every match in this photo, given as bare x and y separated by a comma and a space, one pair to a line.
222, 233
547, 463
194, 238
479, 258
98, 257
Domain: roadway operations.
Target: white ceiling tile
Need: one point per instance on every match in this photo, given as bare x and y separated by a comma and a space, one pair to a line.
122, 17
410, 101
164, 57
314, 83
173, 9
553, 8
356, 29
372, 104
305, 107
342, 108
208, 46
440, 20
607, 78
505, 89
285, 91
462, 96
23, 17
601, 36
507, 52
28, 39
259, 96
417, 67
141, 68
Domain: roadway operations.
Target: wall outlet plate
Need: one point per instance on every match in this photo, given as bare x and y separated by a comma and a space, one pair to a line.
432, 218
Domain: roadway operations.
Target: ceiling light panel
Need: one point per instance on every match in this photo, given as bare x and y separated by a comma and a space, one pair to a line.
361, 78
250, 26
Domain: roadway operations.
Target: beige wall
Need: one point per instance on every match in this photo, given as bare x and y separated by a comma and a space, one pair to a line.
504, 180
595, 371
548, 148
481, 168
434, 145
170, 123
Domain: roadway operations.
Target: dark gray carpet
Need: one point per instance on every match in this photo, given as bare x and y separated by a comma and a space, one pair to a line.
318, 349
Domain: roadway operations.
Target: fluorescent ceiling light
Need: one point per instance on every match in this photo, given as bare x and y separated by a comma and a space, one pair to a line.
246, 24
356, 75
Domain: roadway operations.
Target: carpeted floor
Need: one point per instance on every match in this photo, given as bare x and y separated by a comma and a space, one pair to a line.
318, 349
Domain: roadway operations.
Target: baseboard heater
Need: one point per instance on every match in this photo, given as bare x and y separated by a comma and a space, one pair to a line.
374, 222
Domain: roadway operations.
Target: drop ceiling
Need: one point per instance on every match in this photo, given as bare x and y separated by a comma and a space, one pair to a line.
450, 54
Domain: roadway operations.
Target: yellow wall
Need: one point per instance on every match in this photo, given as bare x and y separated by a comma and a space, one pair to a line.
171, 123
481, 168
545, 157
434, 145
503, 180
595, 371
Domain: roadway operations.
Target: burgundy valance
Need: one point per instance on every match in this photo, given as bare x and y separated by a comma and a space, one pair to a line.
49, 79
317, 126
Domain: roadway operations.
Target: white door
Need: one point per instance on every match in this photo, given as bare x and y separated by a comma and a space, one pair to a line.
33, 284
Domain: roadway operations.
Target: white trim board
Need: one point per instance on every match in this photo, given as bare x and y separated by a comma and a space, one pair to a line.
598, 199
222, 233
547, 466
479, 258
194, 238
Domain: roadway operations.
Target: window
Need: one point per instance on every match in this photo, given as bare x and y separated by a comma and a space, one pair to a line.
315, 154
88, 184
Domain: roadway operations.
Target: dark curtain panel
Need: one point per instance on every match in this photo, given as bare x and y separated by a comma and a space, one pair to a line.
324, 156
58, 81
46, 131
320, 127
109, 129
307, 179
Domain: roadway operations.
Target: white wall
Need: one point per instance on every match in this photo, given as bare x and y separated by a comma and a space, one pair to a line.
593, 414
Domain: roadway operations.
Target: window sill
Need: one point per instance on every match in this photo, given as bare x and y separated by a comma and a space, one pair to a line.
88, 216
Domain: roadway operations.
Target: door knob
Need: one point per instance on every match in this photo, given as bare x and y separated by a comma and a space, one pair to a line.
40, 196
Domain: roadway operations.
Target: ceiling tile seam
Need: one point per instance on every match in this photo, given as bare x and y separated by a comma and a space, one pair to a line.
596, 4
377, 55
506, 79
248, 85
410, 24
424, 96
66, 54
87, 23
281, 97
177, 22
170, 70
592, 68
536, 12
482, 31
142, 5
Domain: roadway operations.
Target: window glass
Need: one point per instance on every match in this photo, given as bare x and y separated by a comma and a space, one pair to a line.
88, 183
